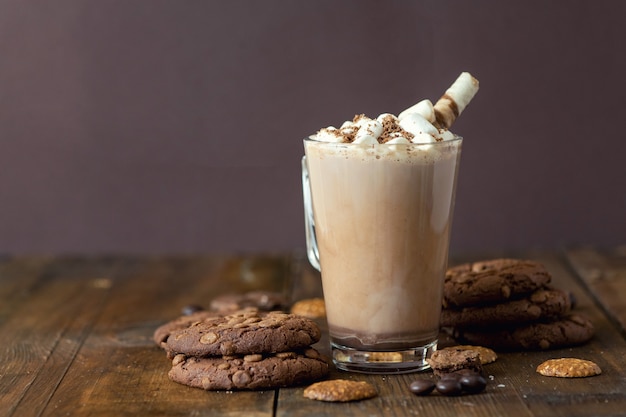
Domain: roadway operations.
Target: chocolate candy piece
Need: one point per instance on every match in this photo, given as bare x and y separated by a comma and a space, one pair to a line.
473, 383
449, 386
422, 386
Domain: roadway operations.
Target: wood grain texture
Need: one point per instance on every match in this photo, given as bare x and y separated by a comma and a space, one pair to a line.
604, 274
77, 340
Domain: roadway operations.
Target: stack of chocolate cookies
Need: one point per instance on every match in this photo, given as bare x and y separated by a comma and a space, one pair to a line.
243, 350
509, 304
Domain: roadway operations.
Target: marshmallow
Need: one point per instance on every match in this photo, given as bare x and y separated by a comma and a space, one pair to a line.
423, 138
455, 99
445, 135
416, 124
424, 108
398, 140
369, 131
381, 117
328, 134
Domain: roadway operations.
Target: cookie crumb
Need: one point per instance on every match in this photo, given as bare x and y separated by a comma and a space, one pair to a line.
569, 368
340, 390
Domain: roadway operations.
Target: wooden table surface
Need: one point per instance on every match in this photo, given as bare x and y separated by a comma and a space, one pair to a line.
75, 339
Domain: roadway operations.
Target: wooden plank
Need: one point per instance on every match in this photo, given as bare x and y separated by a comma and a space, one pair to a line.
17, 277
119, 370
604, 274
599, 396
43, 333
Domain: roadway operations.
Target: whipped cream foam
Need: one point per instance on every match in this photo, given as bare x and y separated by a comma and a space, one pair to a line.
421, 123
413, 125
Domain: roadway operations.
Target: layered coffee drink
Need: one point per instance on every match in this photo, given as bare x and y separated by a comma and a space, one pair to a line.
379, 198
382, 222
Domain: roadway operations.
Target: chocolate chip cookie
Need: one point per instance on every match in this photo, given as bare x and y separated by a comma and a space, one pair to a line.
570, 330
263, 300
492, 281
543, 304
244, 332
249, 372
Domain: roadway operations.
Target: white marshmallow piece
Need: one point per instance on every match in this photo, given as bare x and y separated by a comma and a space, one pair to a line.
445, 135
381, 117
424, 108
423, 138
328, 134
369, 131
416, 124
399, 140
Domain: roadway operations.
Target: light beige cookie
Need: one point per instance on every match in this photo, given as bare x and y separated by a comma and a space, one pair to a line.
312, 308
569, 368
340, 390
486, 355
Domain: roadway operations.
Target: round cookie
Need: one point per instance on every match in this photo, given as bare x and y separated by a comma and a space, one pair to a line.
263, 300
313, 308
243, 333
250, 372
543, 304
493, 281
569, 368
340, 390
571, 330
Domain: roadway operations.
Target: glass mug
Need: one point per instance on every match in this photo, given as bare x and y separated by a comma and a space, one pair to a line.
378, 220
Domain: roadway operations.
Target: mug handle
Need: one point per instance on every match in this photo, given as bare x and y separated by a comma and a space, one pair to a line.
312, 250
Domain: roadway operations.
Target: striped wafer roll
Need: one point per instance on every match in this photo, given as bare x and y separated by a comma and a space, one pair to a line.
455, 99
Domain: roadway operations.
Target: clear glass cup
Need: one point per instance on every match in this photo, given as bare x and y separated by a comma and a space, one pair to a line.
378, 220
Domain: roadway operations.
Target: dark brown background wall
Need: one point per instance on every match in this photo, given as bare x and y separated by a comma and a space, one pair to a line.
156, 126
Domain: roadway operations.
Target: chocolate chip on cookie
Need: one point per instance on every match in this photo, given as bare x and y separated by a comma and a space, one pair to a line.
492, 281
249, 372
245, 332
